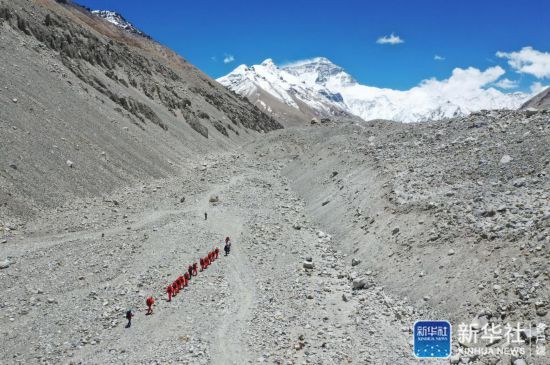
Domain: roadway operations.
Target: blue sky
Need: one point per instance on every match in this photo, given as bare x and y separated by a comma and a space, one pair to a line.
465, 33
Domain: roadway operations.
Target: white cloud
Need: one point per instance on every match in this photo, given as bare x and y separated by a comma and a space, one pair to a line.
228, 58
507, 84
390, 39
439, 58
528, 61
537, 87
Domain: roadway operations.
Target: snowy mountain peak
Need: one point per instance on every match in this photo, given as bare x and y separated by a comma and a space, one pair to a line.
268, 63
323, 88
320, 70
118, 20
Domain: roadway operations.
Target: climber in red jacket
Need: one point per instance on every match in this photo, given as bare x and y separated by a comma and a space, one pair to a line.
216, 252
149, 301
170, 291
195, 271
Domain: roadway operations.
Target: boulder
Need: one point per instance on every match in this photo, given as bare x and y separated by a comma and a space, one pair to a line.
529, 112
5, 264
359, 283
454, 359
214, 199
355, 262
505, 159
308, 265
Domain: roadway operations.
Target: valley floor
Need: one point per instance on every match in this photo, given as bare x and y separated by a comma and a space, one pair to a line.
326, 193
73, 276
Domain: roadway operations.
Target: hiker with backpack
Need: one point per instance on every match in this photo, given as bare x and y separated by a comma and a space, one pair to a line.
227, 246
150, 301
129, 316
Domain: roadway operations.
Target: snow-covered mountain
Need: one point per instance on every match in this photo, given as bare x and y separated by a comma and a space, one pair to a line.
118, 20
319, 87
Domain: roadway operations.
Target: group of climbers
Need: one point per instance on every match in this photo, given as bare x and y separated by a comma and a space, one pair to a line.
183, 280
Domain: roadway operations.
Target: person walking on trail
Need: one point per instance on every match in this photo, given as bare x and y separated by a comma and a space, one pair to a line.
129, 316
190, 271
150, 301
195, 269
181, 280
216, 253
227, 246
169, 291
205, 216
201, 261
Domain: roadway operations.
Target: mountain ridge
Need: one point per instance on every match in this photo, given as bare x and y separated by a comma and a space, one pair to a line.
328, 90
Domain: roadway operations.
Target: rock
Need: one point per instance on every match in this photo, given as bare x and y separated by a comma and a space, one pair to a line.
309, 259
334, 173
13, 165
355, 262
214, 199
359, 283
308, 265
14, 100
5, 264
395, 231
345, 297
529, 112
182, 200
297, 226
313, 121
531, 334
520, 362
70, 163
309, 296
454, 359
325, 203
321, 234
451, 252
505, 159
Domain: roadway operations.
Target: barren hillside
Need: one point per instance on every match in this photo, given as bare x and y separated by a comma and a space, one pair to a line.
86, 107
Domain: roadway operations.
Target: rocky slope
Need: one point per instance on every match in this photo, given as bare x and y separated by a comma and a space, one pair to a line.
86, 106
539, 101
319, 88
452, 215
